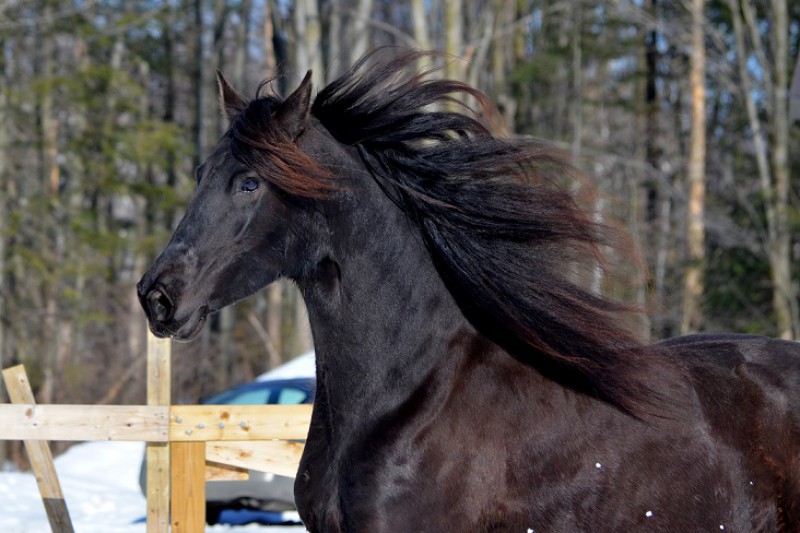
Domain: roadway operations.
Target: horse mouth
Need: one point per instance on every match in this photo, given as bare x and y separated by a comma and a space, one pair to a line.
184, 332
192, 327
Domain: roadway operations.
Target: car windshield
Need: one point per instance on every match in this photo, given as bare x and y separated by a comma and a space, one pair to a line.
260, 394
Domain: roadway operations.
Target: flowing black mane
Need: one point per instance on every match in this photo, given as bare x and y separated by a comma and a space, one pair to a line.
505, 233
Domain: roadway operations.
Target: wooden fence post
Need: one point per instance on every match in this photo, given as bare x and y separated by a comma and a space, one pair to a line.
19, 391
158, 453
188, 486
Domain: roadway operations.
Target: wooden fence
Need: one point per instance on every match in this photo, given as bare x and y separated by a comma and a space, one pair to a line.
186, 444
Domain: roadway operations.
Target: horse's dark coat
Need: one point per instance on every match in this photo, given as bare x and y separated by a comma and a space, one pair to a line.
464, 383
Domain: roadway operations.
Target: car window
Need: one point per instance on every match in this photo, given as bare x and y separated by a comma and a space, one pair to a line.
251, 396
260, 394
289, 396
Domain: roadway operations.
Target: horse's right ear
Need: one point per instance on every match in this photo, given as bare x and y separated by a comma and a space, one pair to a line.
293, 113
232, 102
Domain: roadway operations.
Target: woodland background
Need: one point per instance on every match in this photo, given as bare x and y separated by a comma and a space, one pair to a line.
678, 110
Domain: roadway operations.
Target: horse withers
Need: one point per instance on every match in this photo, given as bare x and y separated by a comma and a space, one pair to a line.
465, 379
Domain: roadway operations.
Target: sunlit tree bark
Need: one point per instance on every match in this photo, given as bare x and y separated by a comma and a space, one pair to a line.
362, 29
453, 38
696, 180
308, 41
419, 23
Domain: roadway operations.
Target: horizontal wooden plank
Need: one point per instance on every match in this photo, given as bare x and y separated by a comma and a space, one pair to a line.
220, 472
273, 456
84, 422
238, 422
153, 423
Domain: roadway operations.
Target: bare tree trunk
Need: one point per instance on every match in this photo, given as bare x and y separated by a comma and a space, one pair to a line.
199, 85
502, 61
333, 46
166, 217
308, 34
774, 187
577, 81
4, 205
302, 340
419, 24
226, 320
273, 356
657, 207
520, 94
270, 58
301, 53
453, 35
794, 97
136, 322
79, 123
242, 41
785, 296
275, 317
313, 36
693, 279
221, 12
227, 348
361, 29
276, 45
638, 222
477, 57
48, 138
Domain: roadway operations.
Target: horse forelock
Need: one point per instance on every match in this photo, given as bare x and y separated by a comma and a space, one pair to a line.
259, 141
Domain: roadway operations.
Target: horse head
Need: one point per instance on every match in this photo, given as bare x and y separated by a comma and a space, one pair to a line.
241, 231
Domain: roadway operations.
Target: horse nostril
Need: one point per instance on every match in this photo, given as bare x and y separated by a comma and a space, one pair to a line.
161, 306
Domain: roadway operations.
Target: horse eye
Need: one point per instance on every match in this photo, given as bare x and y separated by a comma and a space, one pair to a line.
198, 173
249, 185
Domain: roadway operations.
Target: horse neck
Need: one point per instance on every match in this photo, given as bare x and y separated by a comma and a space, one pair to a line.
382, 319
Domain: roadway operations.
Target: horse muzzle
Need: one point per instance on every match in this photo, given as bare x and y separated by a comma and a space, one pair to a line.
157, 304
161, 309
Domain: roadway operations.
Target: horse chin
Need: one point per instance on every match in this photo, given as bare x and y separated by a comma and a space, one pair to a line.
192, 327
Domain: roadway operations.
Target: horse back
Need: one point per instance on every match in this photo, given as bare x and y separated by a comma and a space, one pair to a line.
748, 388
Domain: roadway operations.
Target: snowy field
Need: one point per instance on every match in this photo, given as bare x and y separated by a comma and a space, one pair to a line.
100, 485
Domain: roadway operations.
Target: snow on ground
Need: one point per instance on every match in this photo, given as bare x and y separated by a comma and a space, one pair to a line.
100, 485
302, 366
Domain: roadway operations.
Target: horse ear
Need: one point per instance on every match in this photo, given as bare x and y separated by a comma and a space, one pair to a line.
293, 113
232, 102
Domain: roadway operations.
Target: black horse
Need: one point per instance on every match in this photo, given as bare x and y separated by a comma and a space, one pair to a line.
466, 381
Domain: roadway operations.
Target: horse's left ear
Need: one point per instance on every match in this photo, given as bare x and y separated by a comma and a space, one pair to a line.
232, 102
293, 113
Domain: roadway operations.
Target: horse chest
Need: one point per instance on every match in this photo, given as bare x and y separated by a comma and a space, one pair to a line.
411, 489
512, 482
411, 475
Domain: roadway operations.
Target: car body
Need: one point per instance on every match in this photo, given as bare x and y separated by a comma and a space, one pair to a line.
286, 385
